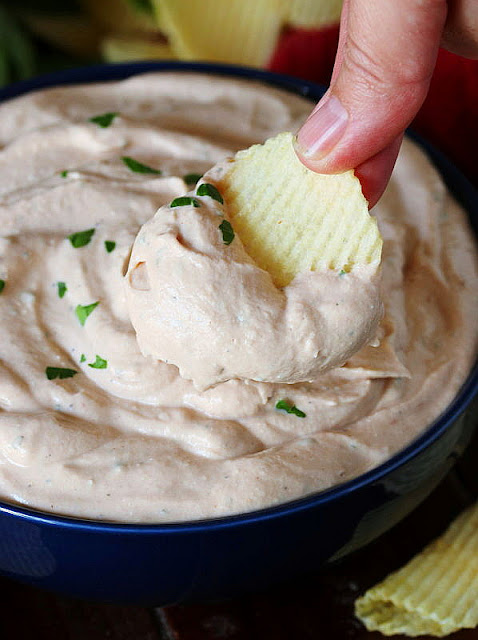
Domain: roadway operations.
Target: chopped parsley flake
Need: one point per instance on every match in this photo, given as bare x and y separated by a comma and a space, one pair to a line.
82, 312
227, 231
342, 272
192, 178
82, 358
185, 200
285, 405
2, 285
139, 167
64, 173
81, 238
62, 289
210, 190
105, 119
59, 372
110, 245
99, 363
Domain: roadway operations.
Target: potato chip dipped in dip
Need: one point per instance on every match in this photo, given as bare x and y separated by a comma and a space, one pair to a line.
267, 271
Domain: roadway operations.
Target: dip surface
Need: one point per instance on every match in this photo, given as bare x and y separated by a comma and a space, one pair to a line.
128, 439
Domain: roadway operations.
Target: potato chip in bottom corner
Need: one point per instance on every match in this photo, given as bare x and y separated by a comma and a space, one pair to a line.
436, 593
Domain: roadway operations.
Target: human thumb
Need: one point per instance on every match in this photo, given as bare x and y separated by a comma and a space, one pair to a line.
386, 56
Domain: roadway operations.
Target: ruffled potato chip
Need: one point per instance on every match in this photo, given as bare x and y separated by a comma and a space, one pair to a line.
436, 593
291, 219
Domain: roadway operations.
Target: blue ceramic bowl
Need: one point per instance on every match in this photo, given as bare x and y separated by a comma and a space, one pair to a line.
164, 564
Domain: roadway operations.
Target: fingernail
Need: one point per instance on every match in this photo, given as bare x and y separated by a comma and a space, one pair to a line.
323, 129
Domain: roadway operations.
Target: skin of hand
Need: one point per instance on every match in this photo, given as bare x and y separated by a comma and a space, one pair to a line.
385, 59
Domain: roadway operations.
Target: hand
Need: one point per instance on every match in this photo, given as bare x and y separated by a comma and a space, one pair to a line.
385, 59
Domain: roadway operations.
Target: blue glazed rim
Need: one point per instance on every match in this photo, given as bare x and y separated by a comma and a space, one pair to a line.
462, 189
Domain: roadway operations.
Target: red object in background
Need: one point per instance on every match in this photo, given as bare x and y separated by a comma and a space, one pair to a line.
449, 115
307, 54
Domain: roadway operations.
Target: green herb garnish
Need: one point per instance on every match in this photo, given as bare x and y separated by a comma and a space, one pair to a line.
81, 238
342, 272
99, 363
62, 289
285, 405
192, 178
227, 231
206, 189
105, 119
2, 285
64, 173
110, 245
82, 358
59, 372
83, 311
185, 200
138, 167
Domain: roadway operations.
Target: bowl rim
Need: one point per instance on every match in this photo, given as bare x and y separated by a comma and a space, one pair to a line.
459, 185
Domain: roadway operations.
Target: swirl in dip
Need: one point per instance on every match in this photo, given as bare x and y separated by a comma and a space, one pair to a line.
124, 437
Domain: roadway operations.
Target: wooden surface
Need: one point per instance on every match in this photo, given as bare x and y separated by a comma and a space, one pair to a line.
317, 607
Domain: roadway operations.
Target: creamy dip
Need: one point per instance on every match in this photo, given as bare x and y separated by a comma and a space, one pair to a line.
206, 307
128, 439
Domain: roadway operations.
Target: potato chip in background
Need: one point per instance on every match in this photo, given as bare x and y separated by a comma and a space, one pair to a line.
240, 31
236, 31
